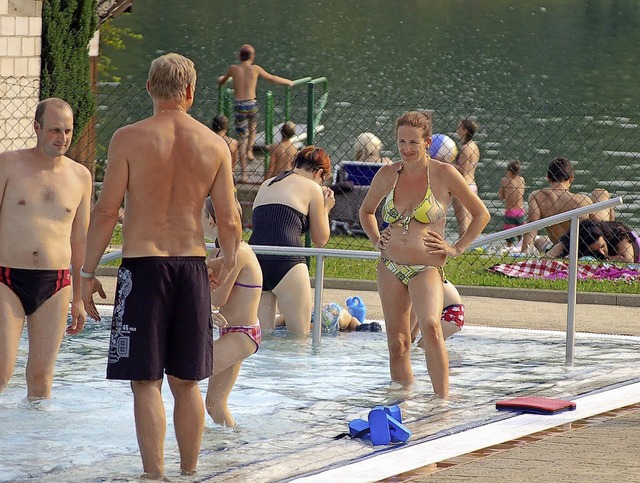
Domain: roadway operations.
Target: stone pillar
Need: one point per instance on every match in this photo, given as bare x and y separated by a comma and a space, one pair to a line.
20, 46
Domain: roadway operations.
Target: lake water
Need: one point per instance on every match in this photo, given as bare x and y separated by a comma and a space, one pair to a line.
541, 80
288, 402
479, 52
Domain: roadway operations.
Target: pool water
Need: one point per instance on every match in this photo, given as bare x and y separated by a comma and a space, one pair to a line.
289, 402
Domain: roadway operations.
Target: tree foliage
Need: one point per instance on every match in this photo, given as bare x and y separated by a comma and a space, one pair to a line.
67, 28
112, 37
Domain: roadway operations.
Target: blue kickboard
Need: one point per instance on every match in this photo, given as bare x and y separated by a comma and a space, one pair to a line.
379, 427
394, 412
399, 432
359, 428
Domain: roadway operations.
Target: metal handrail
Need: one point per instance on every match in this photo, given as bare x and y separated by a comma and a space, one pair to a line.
270, 115
321, 253
287, 96
544, 222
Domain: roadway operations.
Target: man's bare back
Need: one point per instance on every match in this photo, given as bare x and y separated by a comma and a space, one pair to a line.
512, 192
165, 166
557, 199
282, 156
547, 202
245, 79
166, 163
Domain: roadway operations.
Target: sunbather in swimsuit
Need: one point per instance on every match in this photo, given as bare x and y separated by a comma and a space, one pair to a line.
34, 287
636, 240
429, 210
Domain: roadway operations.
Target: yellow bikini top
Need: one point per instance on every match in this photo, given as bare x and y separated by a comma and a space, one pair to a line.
429, 210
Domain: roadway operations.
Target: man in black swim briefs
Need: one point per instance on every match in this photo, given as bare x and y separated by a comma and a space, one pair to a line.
44, 214
166, 165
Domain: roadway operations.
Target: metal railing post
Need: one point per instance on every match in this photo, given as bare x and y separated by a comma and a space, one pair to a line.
571, 295
317, 303
321, 253
287, 96
313, 115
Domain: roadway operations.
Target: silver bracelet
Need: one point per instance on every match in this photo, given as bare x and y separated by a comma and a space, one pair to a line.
84, 274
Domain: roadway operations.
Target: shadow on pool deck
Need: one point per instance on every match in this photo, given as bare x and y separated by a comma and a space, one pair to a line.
605, 449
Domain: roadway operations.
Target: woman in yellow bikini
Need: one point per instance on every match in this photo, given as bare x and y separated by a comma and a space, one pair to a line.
417, 192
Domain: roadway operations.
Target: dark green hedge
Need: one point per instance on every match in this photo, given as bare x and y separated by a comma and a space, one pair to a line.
67, 28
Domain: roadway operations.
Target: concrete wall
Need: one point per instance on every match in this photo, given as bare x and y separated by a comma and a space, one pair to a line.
20, 46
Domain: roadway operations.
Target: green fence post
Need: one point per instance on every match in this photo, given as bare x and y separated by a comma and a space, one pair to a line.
287, 104
220, 99
228, 99
268, 129
310, 114
287, 96
313, 115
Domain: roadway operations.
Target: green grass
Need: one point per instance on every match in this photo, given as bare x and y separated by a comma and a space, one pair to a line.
469, 269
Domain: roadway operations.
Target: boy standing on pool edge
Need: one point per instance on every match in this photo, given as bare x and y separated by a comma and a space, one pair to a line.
245, 76
165, 165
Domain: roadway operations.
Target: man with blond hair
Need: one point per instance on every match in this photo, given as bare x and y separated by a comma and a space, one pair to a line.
44, 214
164, 167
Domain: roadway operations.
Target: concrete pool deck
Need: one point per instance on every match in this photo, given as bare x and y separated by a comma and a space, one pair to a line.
599, 448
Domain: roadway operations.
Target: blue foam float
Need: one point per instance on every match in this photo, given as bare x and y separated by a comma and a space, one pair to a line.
383, 426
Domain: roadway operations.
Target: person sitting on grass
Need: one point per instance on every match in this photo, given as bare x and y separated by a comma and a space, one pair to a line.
603, 240
557, 198
220, 126
283, 153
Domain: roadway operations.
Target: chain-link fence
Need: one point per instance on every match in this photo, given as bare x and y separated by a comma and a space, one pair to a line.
602, 142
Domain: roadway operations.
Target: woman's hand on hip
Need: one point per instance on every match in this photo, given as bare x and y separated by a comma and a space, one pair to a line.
435, 244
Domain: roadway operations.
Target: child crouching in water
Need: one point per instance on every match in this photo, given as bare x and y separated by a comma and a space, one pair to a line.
236, 315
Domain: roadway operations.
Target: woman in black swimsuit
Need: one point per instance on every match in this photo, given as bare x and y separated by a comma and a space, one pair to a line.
285, 207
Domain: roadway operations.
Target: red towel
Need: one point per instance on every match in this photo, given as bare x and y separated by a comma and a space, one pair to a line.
554, 269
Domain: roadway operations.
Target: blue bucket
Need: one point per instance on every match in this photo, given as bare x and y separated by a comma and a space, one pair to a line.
356, 307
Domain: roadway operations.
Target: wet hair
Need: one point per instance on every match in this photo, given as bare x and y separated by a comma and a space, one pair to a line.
312, 158
420, 119
590, 231
42, 107
614, 232
169, 76
470, 127
220, 123
246, 51
559, 169
367, 144
288, 130
514, 167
